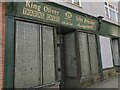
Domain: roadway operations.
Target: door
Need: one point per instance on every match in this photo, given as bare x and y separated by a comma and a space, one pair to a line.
68, 60
70, 55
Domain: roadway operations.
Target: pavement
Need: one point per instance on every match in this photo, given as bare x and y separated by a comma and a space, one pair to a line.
112, 82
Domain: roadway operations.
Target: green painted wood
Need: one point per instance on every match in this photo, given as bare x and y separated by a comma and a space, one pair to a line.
119, 30
49, 13
99, 57
9, 52
109, 29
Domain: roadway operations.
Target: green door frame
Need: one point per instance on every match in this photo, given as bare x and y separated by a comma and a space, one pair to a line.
9, 53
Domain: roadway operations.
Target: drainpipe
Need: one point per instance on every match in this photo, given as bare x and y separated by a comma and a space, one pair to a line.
100, 21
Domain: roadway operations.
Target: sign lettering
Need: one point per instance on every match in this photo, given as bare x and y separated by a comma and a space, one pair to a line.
51, 14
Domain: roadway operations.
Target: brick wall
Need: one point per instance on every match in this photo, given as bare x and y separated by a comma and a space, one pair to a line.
2, 39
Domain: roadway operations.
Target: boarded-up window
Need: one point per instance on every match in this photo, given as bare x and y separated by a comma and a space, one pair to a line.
48, 55
70, 55
27, 62
34, 55
116, 52
93, 54
106, 53
88, 54
84, 57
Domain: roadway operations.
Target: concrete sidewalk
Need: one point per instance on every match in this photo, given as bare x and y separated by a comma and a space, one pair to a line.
110, 83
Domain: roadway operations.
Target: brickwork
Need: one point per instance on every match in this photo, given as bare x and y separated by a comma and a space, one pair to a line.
2, 40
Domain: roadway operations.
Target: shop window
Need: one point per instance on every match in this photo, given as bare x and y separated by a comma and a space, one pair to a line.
34, 55
116, 52
106, 52
111, 11
88, 54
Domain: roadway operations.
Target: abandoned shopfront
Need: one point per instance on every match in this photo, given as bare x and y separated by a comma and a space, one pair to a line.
47, 44
110, 40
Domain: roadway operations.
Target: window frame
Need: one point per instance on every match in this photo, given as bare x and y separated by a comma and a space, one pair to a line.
114, 10
73, 2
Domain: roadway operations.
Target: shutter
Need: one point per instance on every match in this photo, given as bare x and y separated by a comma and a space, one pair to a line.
84, 57
70, 55
27, 63
93, 54
48, 55
116, 52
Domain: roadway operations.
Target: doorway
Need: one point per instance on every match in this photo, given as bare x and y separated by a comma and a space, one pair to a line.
66, 57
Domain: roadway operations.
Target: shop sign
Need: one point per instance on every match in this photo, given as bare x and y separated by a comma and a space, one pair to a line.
53, 14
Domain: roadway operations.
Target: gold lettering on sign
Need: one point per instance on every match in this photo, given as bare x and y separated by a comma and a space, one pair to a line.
33, 13
33, 10
67, 19
85, 23
52, 18
88, 21
52, 14
32, 5
27, 3
50, 10
79, 19
43, 12
68, 15
90, 27
67, 23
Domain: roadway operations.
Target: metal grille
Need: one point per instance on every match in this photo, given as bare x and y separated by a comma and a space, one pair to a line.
116, 52
48, 55
70, 55
34, 62
84, 57
27, 63
93, 53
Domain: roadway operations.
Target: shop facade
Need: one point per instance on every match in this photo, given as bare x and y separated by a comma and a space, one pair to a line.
47, 44
111, 31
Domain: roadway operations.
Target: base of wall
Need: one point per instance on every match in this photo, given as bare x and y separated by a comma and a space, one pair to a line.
117, 69
109, 73
71, 83
83, 82
90, 81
